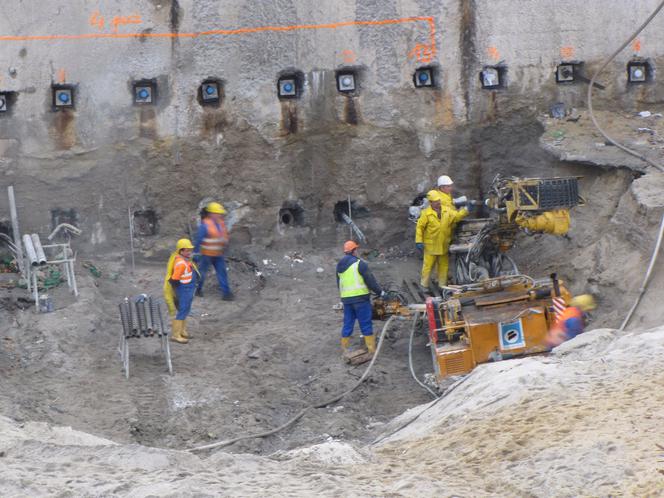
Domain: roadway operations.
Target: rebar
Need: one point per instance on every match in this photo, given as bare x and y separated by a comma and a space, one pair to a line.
139, 303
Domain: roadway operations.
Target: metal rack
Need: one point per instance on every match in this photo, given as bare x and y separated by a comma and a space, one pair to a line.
142, 316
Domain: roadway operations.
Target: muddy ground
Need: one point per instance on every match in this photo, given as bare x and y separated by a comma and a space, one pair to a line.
251, 363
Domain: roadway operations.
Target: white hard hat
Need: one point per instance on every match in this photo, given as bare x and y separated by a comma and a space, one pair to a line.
444, 181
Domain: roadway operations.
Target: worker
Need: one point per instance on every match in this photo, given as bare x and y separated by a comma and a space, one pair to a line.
571, 321
179, 287
355, 282
434, 231
211, 240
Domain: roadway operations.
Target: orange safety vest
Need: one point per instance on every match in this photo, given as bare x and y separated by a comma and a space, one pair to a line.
215, 239
182, 270
559, 333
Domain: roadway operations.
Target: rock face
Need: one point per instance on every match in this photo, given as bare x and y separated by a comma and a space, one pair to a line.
380, 145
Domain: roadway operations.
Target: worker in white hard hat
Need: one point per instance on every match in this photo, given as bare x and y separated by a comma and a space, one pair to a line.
433, 234
572, 321
210, 243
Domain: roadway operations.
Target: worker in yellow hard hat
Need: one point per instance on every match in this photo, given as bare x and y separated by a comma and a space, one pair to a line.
433, 234
179, 287
572, 320
210, 242
356, 282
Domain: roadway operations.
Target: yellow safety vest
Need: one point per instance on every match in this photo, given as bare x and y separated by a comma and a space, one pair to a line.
351, 283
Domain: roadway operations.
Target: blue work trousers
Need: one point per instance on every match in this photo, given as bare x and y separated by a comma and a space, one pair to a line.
220, 268
360, 312
185, 294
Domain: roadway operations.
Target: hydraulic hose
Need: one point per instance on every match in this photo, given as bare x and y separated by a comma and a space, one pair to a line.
301, 413
646, 279
592, 83
410, 358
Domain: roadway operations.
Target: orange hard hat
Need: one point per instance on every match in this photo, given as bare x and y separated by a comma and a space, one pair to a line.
350, 246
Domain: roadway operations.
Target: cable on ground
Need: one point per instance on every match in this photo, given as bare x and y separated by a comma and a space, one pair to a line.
301, 413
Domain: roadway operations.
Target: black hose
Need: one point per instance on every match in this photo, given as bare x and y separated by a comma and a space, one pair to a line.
301, 413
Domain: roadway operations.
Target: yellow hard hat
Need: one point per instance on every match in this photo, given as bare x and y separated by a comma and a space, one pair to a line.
585, 302
433, 196
215, 207
183, 244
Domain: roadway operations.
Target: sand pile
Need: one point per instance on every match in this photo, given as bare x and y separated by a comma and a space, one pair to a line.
585, 420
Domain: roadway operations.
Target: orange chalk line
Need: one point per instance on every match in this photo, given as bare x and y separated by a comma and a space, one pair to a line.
240, 31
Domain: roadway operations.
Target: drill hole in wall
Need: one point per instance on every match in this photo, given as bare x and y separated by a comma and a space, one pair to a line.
356, 211
291, 214
145, 223
58, 216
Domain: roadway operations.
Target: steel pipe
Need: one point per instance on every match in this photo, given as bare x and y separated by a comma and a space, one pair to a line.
39, 250
30, 250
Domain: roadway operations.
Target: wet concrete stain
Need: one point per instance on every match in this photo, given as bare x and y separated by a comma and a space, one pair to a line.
351, 111
468, 34
23, 52
289, 120
443, 108
175, 16
144, 33
214, 122
492, 111
63, 129
147, 123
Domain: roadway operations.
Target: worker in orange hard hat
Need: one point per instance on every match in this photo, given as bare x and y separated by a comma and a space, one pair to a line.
434, 231
572, 321
180, 283
356, 282
211, 241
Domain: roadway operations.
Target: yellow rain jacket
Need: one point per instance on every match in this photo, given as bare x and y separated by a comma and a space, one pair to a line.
436, 232
169, 292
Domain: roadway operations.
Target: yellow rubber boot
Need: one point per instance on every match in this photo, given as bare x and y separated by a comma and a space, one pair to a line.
185, 333
345, 344
370, 341
177, 326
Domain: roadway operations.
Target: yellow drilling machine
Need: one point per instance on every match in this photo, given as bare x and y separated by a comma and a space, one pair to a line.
492, 312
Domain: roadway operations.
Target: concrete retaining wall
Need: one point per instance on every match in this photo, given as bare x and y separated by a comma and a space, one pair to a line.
381, 145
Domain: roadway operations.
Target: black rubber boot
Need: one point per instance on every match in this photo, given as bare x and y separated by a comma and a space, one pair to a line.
228, 297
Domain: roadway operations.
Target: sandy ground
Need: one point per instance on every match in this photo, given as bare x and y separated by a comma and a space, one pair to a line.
584, 421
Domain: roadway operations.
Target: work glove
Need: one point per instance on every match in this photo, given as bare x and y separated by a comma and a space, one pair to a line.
420, 246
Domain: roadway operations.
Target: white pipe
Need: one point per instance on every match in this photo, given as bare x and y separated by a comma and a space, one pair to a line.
30, 250
15, 230
646, 279
39, 250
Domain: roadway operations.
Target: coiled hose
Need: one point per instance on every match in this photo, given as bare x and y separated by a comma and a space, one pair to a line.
301, 413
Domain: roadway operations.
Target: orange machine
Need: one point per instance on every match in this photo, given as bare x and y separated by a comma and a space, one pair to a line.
492, 320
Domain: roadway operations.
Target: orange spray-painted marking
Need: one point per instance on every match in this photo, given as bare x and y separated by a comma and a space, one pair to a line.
62, 76
349, 56
493, 53
636, 45
567, 52
422, 52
